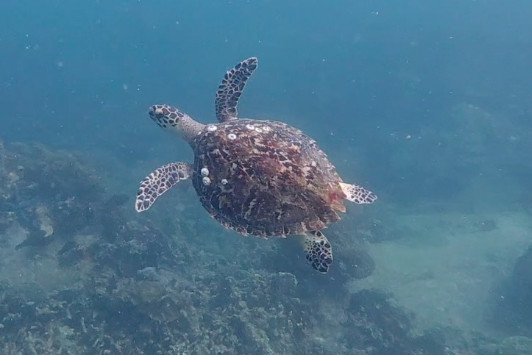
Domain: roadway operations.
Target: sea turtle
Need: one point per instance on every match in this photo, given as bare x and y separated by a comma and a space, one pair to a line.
258, 177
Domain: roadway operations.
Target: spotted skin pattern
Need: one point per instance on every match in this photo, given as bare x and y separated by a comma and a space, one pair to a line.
172, 120
231, 88
358, 194
160, 181
318, 251
165, 115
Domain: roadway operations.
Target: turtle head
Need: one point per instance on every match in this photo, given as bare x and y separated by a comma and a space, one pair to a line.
172, 120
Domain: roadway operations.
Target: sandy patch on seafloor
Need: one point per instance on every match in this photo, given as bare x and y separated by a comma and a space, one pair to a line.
39, 271
444, 273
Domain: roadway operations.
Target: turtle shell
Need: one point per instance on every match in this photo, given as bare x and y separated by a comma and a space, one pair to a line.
265, 178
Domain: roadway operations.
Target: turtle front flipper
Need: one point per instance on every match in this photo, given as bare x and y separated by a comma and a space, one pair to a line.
318, 250
160, 181
231, 88
357, 194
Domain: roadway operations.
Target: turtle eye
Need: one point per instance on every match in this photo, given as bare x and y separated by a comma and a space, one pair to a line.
158, 111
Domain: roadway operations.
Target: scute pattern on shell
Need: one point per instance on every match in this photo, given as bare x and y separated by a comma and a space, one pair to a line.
267, 179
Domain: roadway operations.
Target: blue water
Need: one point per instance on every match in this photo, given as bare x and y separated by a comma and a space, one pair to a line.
427, 103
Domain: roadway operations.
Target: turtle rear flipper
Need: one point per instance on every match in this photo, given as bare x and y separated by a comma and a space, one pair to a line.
318, 250
160, 181
357, 194
231, 88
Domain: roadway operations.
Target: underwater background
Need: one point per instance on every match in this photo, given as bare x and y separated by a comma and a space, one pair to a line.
426, 103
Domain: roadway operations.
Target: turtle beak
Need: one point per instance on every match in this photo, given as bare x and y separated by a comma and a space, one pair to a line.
152, 111
156, 113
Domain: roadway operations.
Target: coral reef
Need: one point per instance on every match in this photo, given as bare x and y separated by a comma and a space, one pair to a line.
52, 194
80, 275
